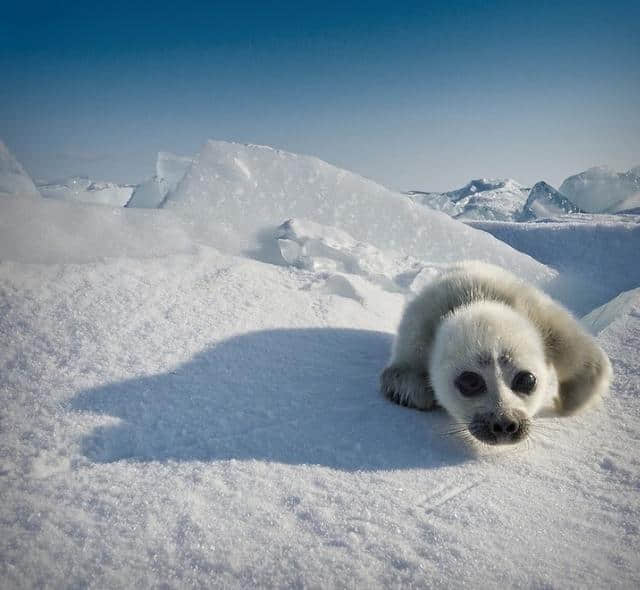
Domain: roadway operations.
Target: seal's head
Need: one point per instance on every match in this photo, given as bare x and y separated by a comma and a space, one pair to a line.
489, 371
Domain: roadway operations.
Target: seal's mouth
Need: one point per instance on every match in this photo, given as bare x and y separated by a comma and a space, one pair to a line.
500, 428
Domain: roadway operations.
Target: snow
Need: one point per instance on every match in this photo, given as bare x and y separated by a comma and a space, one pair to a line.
250, 190
82, 189
482, 199
49, 231
597, 190
178, 415
615, 310
170, 169
14, 181
436, 201
544, 201
628, 204
596, 255
332, 252
600, 189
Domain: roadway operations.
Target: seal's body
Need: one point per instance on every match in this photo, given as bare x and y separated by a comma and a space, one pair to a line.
492, 349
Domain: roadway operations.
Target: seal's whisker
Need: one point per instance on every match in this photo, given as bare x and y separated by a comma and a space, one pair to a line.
455, 430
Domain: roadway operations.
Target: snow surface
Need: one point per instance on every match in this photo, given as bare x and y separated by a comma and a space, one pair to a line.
332, 252
170, 169
596, 255
178, 416
597, 190
630, 204
600, 189
484, 199
80, 188
616, 310
49, 231
14, 181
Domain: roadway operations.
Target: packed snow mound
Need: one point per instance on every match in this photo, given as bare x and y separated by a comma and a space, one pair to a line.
544, 201
326, 250
14, 181
615, 310
483, 199
170, 169
599, 189
47, 231
84, 190
251, 190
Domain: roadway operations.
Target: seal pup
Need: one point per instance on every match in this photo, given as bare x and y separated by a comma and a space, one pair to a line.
492, 350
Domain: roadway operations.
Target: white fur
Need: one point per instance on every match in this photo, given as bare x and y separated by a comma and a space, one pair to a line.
479, 312
509, 344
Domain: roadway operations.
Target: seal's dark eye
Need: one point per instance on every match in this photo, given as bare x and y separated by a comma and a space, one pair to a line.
470, 384
524, 382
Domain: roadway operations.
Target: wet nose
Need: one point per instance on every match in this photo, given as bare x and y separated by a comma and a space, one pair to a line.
505, 426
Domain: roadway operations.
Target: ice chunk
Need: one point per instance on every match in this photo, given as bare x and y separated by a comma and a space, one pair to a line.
170, 169
248, 188
482, 199
85, 190
544, 201
311, 246
14, 181
66, 189
436, 201
599, 189
148, 194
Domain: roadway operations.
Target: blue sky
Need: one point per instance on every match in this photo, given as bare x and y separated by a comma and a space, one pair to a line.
416, 95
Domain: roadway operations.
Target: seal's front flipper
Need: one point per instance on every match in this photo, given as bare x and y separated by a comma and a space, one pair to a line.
408, 386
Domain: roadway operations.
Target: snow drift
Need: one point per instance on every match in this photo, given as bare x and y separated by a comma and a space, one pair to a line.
51, 231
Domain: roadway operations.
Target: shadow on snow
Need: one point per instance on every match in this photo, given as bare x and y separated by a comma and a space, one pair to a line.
304, 396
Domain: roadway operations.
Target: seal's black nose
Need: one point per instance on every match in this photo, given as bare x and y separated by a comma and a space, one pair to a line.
504, 425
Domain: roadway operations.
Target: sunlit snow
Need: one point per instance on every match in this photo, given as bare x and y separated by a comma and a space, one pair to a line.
190, 393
